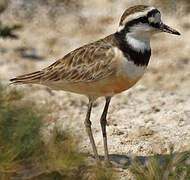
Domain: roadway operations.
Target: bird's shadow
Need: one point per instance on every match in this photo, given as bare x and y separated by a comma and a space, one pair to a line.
118, 161
28, 53
124, 161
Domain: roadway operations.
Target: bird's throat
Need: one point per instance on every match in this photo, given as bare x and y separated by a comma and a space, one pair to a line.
134, 48
137, 43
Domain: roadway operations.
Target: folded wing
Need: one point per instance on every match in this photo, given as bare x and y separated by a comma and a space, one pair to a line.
88, 63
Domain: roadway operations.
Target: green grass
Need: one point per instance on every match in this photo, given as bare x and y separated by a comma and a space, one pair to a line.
19, 132
103, 173
61, 157
3, 6
24, 153
163, 167
8, 31
21, 144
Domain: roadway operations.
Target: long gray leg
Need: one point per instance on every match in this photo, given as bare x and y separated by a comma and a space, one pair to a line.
87, 123
103, 123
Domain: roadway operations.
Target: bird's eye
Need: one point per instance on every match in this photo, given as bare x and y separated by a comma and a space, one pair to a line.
155, 18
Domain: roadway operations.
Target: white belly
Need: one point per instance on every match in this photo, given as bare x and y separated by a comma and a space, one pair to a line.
132, 70
128, 68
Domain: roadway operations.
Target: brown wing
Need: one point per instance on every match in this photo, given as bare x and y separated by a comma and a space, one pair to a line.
88, 63
85, 64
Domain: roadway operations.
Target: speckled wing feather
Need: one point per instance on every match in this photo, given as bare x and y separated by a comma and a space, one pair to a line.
88, 63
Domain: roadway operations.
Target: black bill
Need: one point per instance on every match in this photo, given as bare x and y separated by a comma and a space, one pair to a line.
165, 28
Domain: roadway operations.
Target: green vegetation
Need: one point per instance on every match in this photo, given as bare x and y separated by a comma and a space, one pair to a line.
25, 154
102, 173
168, 167
7, 31
19, 132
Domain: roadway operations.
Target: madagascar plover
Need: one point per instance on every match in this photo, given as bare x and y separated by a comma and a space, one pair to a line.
105, 67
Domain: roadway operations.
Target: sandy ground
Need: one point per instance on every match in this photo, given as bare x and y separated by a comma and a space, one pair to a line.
142, 120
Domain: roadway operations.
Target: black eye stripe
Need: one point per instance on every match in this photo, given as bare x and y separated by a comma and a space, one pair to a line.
155, 25
137, 21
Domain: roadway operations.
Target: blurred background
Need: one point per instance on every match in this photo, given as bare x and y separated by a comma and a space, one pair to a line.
155, 112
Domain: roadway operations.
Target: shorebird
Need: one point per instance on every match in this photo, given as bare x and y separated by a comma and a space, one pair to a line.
105, 67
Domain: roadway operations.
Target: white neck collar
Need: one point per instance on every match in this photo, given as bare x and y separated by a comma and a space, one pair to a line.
137, 43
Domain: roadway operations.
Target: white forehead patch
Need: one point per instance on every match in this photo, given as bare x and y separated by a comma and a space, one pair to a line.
155, 19
138, 15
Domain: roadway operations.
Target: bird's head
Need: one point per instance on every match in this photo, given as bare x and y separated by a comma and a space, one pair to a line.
143, 21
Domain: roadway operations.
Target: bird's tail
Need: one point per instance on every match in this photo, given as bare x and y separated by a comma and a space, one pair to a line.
30, 78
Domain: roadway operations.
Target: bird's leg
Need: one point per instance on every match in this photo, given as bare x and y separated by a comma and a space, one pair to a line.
103, 123
87, 123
